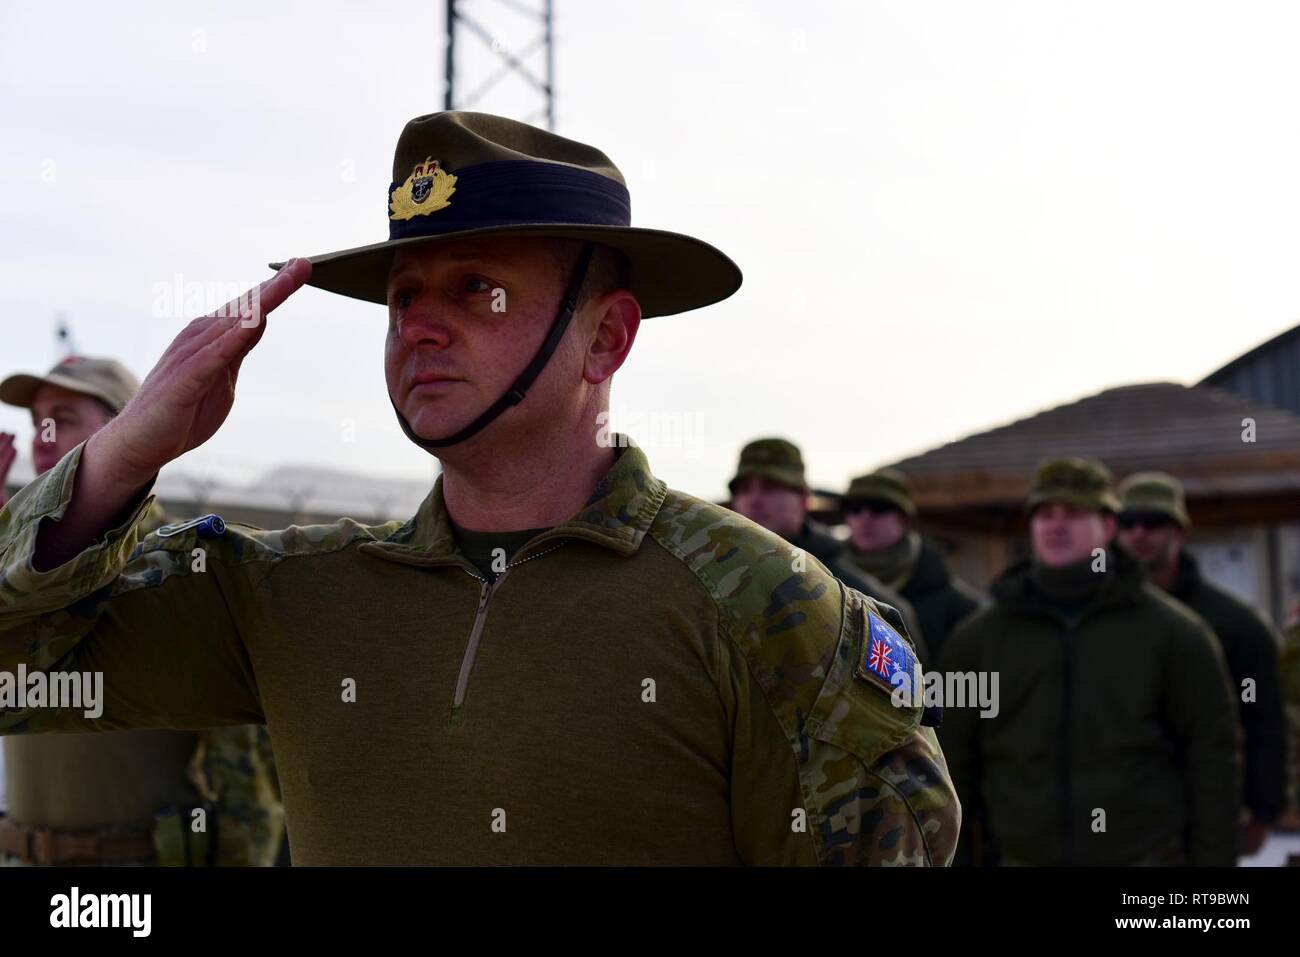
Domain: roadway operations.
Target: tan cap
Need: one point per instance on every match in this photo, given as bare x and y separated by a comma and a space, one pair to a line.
104, 379
1156, 492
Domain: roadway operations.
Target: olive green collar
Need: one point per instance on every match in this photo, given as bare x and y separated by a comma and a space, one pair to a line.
617, 516
893, 565
1067, 585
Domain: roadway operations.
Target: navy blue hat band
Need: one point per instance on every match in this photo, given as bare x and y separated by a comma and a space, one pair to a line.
520, 192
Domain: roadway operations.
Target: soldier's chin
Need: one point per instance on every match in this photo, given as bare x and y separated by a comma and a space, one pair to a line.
430, 423
1059, 557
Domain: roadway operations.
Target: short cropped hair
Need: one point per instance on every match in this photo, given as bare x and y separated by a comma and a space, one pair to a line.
607, 272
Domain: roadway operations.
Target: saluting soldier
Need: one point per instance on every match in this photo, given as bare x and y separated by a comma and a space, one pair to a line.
557, 659
131, 797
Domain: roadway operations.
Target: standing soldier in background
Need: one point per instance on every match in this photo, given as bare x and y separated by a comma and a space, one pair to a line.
770, 488
880, 513
1115, 738
1153, 526
126, 797
1289, 671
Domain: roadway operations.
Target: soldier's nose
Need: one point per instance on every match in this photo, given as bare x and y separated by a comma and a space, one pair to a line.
421, 327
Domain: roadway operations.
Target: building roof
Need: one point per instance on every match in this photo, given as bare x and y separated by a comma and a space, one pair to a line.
303, 489
1268, 373
1252, 355
1195, 433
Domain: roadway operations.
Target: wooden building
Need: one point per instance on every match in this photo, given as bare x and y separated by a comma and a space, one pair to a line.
1238, 458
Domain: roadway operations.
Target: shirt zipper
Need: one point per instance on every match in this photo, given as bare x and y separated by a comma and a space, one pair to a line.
486, 591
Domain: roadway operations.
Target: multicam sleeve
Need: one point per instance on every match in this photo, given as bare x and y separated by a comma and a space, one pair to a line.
867, 783
825, 767
156, 626
875, 779
233, 768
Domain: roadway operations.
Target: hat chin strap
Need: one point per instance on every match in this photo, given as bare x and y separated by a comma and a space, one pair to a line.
519, 388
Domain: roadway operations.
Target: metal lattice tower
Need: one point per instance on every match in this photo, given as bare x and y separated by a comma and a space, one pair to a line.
523, 30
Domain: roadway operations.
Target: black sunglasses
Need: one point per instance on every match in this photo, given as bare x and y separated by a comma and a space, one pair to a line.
1149, 520
873, 505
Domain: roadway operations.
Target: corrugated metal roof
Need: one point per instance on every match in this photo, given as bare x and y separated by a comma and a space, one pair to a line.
1269, 373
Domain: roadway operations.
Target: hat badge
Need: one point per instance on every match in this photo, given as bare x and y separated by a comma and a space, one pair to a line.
427, 190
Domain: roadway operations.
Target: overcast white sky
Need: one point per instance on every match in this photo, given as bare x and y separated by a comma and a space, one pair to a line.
949, 215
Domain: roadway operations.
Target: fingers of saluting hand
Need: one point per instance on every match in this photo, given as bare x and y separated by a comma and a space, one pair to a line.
250, 308
214, 342
244, 331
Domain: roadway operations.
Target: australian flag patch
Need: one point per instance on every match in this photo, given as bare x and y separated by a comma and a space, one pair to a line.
886, 655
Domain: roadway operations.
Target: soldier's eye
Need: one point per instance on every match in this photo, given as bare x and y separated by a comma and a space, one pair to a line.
477, 284
402, 299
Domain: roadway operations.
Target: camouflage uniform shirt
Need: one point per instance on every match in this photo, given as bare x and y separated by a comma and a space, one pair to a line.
647, 683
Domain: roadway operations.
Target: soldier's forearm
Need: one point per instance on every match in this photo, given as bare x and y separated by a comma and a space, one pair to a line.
102, 498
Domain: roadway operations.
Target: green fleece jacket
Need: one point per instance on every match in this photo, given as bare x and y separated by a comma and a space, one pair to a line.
647, 683
1124, 710
1252, 647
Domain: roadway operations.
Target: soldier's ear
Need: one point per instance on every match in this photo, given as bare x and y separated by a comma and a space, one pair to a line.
616, 319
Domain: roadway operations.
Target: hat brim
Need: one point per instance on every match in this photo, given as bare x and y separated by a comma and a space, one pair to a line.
1138, 507
1100, 502
903, 505
668, 272
790, 479
21, 389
